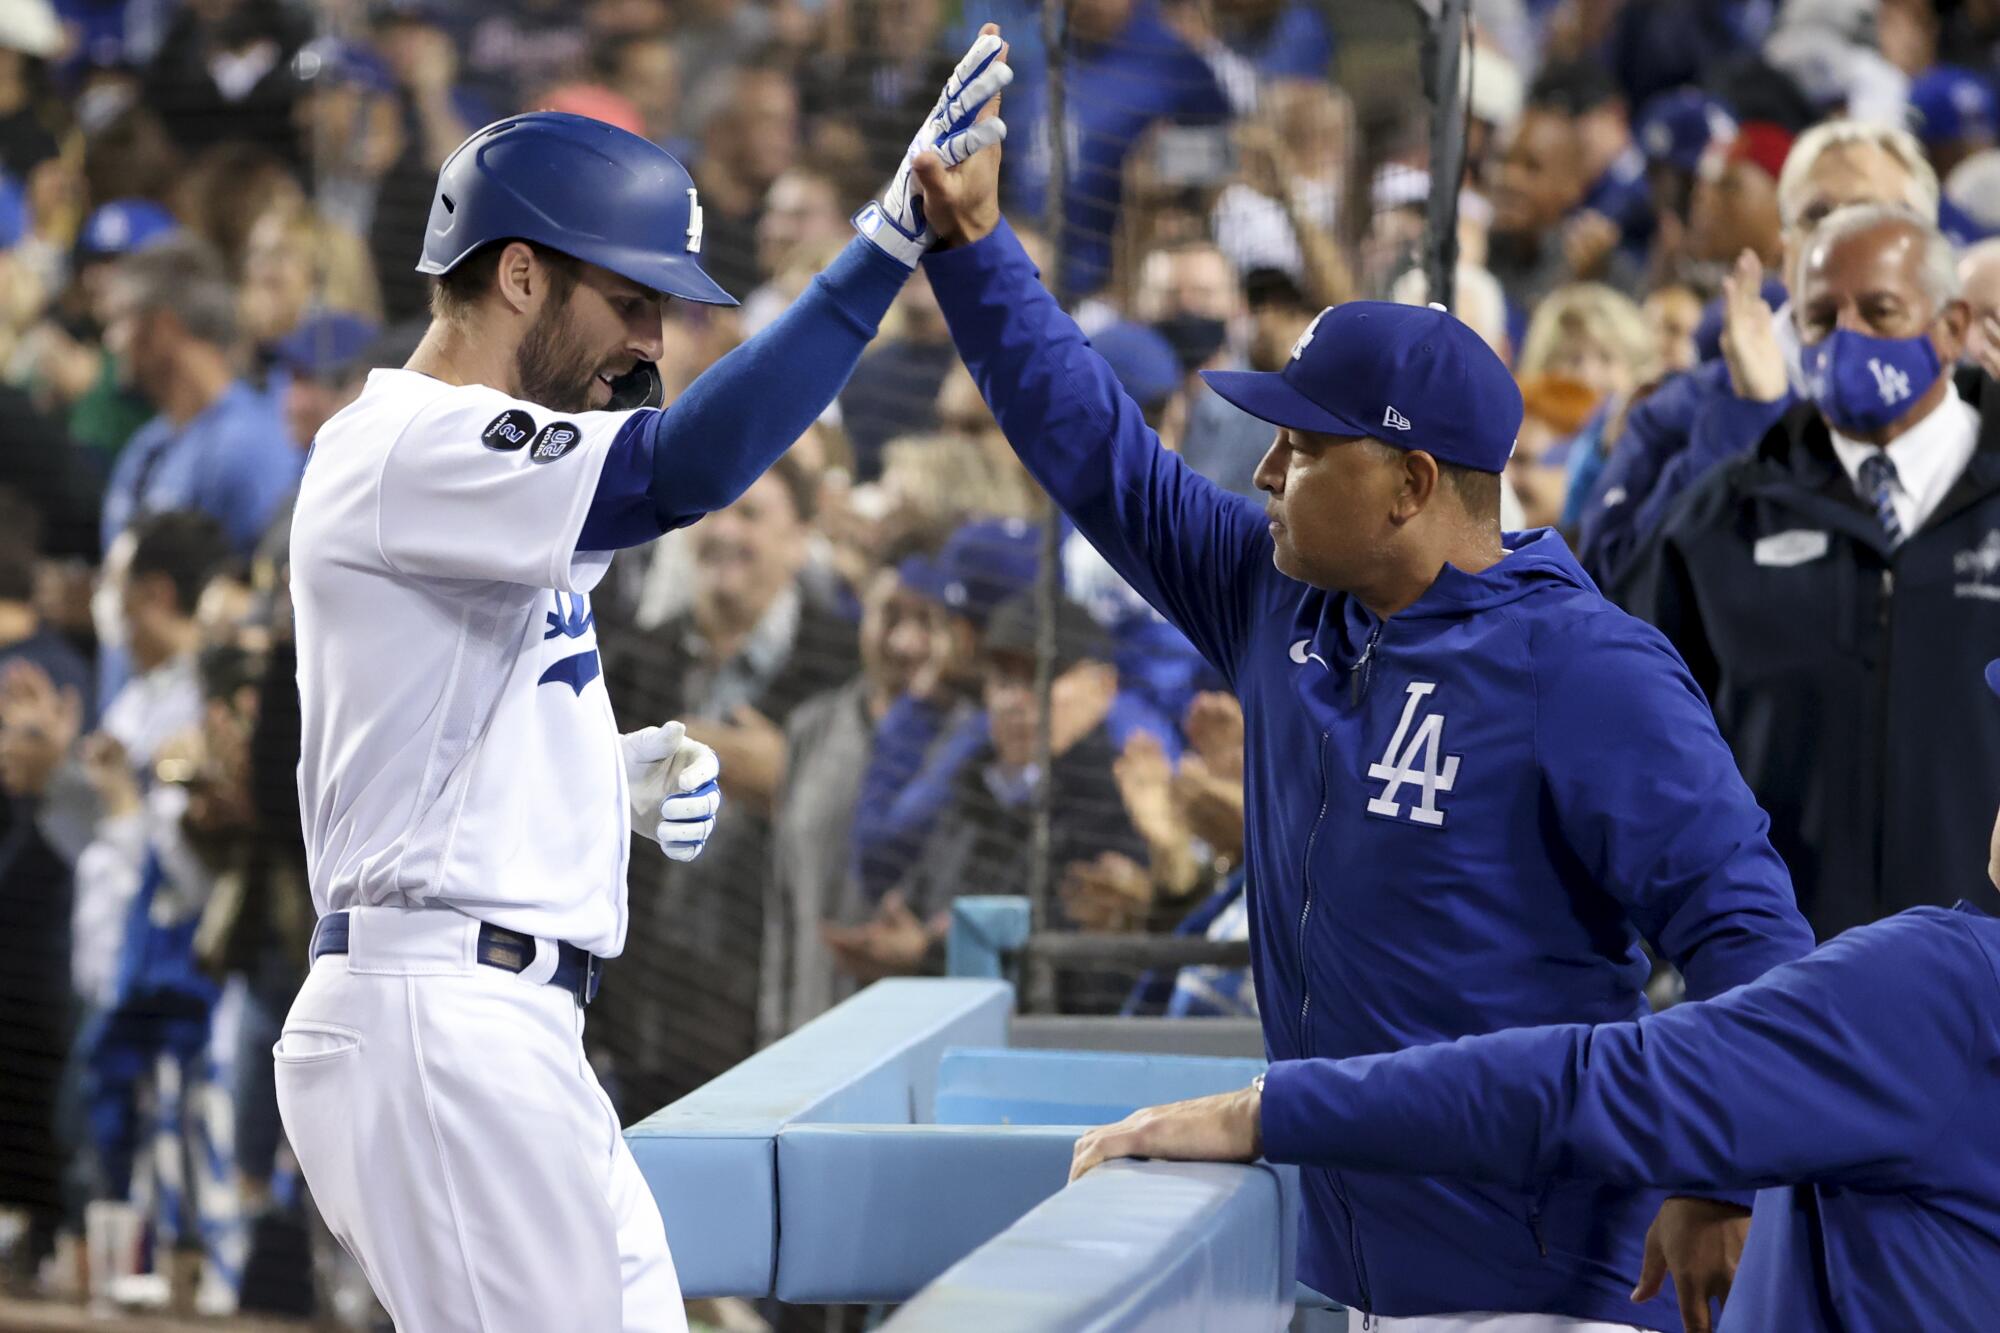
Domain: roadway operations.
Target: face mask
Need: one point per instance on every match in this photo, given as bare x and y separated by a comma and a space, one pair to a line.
1195, 338
1862, 384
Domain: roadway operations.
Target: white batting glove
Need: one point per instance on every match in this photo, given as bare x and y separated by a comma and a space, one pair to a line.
953, 130
673, 784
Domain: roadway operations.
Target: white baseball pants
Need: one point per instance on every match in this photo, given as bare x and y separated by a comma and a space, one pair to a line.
457, 1142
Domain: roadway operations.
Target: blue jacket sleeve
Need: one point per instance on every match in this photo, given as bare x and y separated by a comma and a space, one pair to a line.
906, 787
670, 467
1657, 428
1649, 798
1867, 1047
1199, 555
1724, 428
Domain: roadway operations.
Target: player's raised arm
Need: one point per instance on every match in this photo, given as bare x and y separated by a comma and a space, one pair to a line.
1190, 548
547, 320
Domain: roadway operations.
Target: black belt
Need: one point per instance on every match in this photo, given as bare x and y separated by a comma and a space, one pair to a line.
578, 971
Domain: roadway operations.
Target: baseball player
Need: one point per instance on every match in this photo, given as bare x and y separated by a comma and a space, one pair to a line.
1863, 1085
466, 796
1472, 785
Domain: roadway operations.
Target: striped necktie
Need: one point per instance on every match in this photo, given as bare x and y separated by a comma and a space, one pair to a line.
1878, 483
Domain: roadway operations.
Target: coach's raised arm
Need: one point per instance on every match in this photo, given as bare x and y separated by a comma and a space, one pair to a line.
1472, 785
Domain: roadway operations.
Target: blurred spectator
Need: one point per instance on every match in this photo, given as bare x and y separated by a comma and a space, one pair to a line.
1587, 350
514, 51
296, 261
30, 118
1607, 158
324, 361
129, 156
1672, 312
829, 738
645, 69
224, 73
63, 361
981, 843
894, 388
1954, 114
437, 114
1979, 288
1734, 205
1674, 130
1832, 49
751, 647
803, 214
227, 190
714, 38
880, 87
748, 141
35, 904
1536, 245
1285, 210
929, 734
1256, 47
352, 125
1716, 412
1847, 568
217, 445
1973, 192
1126, 70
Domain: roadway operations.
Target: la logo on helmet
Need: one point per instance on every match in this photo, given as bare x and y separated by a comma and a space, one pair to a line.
694, 223
1305, 339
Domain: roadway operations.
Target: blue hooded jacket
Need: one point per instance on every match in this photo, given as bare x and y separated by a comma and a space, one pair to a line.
1459, 820
1863, 1085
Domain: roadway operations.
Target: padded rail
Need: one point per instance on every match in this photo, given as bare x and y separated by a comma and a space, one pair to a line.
711, 1159
1133, 1246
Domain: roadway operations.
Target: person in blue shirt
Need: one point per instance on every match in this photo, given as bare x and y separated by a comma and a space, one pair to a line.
1125, 69
217, 445
1864, 1083
1472, 786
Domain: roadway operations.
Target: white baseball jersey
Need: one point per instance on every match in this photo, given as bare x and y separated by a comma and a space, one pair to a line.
459, 746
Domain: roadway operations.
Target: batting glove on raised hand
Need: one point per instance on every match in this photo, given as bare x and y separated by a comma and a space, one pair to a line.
672, 781
954, 132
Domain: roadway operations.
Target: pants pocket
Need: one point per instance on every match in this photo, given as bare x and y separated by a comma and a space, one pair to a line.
305, 1043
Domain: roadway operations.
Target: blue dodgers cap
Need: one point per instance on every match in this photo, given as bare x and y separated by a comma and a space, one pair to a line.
325, 345
982, 564
1142, 359
1993, 675
1412, 376
122, 226
1948, 102
1676, 127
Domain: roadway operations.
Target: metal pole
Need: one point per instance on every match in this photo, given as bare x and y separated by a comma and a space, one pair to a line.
1444, 40
1038, 979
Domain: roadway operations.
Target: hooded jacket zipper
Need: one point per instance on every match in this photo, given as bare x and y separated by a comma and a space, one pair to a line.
1357, 690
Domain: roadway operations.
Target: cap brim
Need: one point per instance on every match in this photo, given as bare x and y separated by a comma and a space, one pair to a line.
678, 276
1264, 394
1993, 675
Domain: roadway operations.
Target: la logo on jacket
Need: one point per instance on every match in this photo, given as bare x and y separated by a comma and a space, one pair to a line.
1413, 759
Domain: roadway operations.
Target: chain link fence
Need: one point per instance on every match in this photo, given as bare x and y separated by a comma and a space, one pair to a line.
922, 682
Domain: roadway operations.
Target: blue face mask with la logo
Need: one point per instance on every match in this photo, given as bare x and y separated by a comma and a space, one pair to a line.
1861, 384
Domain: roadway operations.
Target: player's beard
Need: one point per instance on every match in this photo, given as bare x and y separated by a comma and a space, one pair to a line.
551, 368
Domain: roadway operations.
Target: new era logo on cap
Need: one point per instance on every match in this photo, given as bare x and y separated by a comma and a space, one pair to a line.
1354, 362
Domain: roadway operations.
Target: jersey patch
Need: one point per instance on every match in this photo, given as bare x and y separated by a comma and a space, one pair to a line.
556, 439
508, 431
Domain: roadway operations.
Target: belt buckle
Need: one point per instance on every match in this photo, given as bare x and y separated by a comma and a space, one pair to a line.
593, 973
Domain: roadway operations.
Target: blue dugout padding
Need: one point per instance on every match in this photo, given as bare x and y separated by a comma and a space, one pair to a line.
1167, 1246
711, 1159
867, 1154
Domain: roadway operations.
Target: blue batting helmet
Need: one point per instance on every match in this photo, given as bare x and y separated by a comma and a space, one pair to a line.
578, 186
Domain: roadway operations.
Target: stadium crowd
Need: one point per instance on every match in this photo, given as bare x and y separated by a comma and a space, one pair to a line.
209, 215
